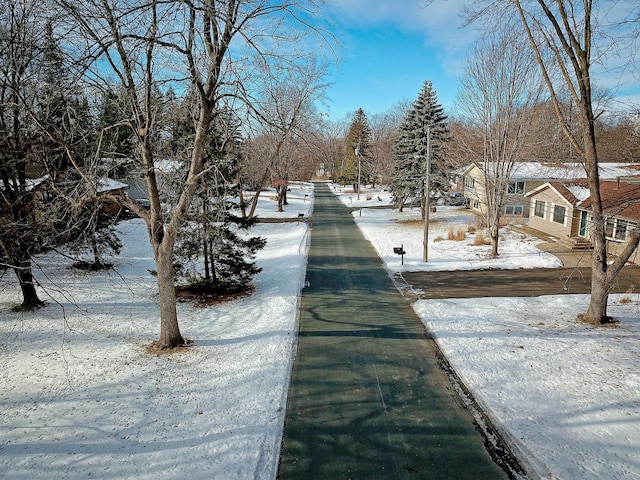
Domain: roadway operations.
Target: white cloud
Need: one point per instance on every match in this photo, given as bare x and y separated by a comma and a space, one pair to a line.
439, 23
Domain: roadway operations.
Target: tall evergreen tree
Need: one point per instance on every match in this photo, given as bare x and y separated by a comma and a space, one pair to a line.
116, 137
357, 144
426, 118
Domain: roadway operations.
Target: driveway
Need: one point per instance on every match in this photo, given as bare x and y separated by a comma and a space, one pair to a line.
575, 277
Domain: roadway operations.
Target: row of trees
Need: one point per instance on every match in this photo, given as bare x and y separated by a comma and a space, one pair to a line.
617, 134
83, 82
201, 83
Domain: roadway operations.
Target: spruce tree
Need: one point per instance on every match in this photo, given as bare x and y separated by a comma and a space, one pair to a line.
410, 150
212, 253
116, 138
358, 138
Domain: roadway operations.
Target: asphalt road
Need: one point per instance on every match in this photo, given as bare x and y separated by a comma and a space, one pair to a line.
510, 283
368, 398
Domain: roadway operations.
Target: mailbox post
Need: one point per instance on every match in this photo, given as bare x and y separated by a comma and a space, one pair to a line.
400, 251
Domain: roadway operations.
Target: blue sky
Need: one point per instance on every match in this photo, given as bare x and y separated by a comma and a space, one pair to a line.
388, 48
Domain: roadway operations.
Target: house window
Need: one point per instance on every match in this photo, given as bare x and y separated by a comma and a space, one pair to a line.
469, 182
609, 226
559, 213
621, 229
47, 196
516, 188
540, 205
513, 210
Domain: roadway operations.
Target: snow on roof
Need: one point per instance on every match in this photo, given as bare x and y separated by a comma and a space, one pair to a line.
105, 184
581, 192
619, 198
169, 166
568, 171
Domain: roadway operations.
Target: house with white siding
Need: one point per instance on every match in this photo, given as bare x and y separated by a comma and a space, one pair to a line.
527, 176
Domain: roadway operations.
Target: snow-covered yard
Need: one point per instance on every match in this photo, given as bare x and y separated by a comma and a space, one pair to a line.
82, 398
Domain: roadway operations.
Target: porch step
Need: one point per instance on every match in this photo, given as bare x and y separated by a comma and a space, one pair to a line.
576, 243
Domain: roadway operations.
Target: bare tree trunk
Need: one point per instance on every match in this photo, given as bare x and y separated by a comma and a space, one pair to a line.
254, 203
494, 232
597, 312
30, 299
281, 192
243, 207
170, 336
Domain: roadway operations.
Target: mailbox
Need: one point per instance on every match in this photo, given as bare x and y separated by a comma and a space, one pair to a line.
400, 251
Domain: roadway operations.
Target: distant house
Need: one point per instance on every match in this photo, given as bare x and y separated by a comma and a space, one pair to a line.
106, 189
527, 176
563, 210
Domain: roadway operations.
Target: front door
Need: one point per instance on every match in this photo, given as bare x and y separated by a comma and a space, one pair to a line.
583, 224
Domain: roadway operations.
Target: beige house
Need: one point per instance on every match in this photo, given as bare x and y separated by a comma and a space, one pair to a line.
563, 210
527, 176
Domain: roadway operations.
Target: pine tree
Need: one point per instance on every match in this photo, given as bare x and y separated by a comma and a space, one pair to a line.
407, 179
116, 138
425, 118
358, 140
212, 253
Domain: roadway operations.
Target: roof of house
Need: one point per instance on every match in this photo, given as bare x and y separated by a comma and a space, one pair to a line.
105, 184
564, 171
619, 199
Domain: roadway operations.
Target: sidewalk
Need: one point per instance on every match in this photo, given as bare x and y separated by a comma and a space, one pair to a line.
569, 258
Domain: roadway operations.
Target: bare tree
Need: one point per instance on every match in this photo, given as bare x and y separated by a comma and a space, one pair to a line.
210, 45
286, 114
384, 133
567, 38
40, 204
18, 54
498, 93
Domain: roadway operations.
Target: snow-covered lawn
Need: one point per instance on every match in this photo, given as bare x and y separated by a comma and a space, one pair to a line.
82, 398
387, 229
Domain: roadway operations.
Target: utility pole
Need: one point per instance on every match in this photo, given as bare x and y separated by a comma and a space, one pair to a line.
427, 188
357, 150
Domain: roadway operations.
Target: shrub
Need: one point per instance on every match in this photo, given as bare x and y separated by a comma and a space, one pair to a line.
457, 234
480, 239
